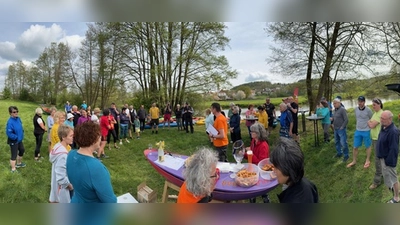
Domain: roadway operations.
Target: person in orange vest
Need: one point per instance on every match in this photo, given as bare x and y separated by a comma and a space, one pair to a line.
201, 175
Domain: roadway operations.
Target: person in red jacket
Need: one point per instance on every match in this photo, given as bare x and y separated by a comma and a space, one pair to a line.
259, 146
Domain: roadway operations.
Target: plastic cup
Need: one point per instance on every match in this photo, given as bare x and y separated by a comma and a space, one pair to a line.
249, 156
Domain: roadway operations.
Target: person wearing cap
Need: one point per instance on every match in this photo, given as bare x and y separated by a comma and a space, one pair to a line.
70, 120
375, 124
363, 132
340, 98
340, 121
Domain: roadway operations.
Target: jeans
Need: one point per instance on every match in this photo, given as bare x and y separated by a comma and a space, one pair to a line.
124, 131
341, 142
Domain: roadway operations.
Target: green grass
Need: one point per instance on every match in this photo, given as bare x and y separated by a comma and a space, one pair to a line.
128, 166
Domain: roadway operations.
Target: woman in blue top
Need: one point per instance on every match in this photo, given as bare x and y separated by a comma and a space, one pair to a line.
323, 111
89, 177
15, 134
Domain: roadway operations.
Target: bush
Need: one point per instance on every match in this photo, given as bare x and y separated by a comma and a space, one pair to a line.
6, 93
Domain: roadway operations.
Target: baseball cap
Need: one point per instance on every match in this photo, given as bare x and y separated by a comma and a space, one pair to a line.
69, 116
339, 97
361, 98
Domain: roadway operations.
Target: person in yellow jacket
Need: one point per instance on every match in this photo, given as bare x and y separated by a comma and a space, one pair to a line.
59, 118
262, 116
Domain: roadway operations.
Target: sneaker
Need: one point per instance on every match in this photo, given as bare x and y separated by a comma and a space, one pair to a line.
14, 171
38, 160
105, 156
152, 132
116, 146
20, 165
98, 158
127, 141
120, 142
345, 159
95, 152
137, 137
337, 156
156, 131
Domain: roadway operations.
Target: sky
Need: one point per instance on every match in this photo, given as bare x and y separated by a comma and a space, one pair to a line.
246, 53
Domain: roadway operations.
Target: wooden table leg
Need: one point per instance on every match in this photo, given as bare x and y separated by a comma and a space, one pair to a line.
167, 185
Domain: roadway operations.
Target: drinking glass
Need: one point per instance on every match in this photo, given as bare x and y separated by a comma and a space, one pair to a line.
238, 152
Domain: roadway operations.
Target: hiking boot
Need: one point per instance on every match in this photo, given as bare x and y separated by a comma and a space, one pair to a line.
20, 165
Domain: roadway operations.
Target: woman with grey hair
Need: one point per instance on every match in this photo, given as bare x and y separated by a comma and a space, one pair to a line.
288, 160
201, 175
260, 148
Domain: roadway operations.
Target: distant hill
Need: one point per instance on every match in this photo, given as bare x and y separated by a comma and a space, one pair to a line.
347, 88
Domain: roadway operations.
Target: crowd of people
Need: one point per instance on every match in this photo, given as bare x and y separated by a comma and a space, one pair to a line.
79, 175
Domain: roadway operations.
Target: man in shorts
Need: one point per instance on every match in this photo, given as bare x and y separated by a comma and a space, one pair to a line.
154, 115
388, 150
363, 132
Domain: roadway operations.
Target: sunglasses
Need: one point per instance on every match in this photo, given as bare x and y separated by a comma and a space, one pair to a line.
14, 111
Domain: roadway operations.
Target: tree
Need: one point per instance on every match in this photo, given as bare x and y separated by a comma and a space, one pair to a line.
52, 66
240, 95
317, 49
168, 60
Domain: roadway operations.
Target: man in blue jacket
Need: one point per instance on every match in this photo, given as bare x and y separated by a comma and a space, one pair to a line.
15, 134
387, 147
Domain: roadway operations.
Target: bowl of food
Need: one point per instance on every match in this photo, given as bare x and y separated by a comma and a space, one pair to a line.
248, 176
266, 169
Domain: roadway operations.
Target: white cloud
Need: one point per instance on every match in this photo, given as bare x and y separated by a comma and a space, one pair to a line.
73, 41
33, 41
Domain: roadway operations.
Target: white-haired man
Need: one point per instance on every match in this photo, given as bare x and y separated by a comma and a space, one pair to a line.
340, 121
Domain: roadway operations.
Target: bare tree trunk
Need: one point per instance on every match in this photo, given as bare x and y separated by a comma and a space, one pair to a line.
328, 62
309, 68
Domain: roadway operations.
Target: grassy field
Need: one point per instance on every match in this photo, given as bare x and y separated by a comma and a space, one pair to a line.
128, 166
